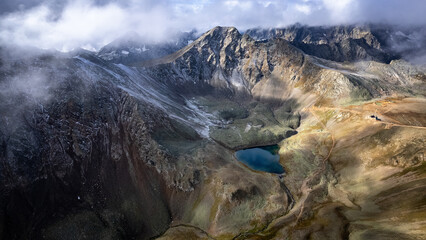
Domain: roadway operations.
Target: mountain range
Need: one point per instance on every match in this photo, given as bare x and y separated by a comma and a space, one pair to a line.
138, 139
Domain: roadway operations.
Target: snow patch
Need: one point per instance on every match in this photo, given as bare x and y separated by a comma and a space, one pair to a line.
248, 127
238, 81
85, 61
202, 119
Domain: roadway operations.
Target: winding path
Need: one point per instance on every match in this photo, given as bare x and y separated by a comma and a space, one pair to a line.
305, 189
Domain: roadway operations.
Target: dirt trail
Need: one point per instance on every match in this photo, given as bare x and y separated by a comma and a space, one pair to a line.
393, 123
305, 189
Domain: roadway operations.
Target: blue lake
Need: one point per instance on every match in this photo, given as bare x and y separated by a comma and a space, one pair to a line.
264, 159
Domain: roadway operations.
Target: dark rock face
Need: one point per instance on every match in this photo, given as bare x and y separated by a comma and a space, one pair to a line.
83, 157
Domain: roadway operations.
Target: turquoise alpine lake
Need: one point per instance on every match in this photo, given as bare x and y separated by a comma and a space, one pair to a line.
264, 159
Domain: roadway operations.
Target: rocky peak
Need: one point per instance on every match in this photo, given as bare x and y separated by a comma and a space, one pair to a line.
219, 40
213, 56
220, 34
224, 42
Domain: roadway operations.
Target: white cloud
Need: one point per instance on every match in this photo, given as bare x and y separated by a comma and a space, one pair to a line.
306, 9
240, 5
82, 24
70, 24
341, 11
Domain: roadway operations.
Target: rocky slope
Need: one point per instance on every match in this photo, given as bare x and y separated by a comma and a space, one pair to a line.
100, 148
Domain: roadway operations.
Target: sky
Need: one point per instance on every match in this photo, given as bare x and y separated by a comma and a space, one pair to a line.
69, 24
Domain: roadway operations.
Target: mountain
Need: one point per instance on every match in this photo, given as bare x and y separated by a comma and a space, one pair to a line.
381, 43
132, 47
140, 145
224, 59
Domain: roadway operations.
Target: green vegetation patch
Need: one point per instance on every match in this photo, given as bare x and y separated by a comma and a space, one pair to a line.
254, 124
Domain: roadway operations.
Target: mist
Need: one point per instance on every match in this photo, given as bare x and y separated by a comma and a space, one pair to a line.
90, 24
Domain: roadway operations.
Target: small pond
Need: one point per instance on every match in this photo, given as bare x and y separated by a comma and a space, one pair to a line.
264, 159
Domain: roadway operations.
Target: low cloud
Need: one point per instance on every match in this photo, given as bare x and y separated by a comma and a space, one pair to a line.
81, 24
66, 25
29, 89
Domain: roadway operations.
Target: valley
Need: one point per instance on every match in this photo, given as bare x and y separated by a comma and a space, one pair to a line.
131, 144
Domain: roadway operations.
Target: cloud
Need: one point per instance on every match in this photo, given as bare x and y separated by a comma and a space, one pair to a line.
19, 92
82, 24
66, 24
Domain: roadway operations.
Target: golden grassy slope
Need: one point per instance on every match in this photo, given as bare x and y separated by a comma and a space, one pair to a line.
351, 177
